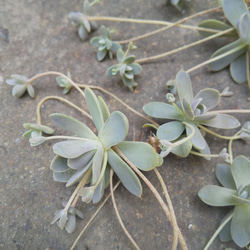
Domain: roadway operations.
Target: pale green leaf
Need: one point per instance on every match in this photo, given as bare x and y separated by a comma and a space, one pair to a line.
225, 233
197, 139
70, 224
81, 161
224, 175
170, 130
114, 130
238, 69
104, 108
59, 164
127, 176
99, 191
97, 164
63, 176
94, 108
217, 196
73, 125
18, 90
141, 154
183, 149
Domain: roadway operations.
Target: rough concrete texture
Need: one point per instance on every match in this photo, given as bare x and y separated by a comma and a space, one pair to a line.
36, 36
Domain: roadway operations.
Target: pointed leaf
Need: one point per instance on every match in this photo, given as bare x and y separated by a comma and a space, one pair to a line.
170, 130
99, 191
241, 171
184, 86
210, 97
113, 70
224, 175
129, 59
82, 32
141, 154
188, 109
216, 25
162, 110
74, 148
240, 226
19, 78
101, 54
238, 69
103, 32
86, 24
115, 46
197, 139
86, 193
97, 164
233, 10
59, 164
94, 108
18, 90
104, 108
217, 196
31, 90
127, 82
114, 130
120, 55
86, 6
127, 176
73, 125
238, 46
95, 41
222, 121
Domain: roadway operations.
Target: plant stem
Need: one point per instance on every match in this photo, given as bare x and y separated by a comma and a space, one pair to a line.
119, 100
56, 137
80, 185
93, 216
218, 135
204, 155
143, 60
117, 212
218, 231
171, 25
171, 209
228, 111
230, 151
58, 74
248, 69
215, 58
155, 192
38, 108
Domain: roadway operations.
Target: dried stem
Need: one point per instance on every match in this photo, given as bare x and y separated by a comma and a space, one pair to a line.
155, 192
117, 212
93, 216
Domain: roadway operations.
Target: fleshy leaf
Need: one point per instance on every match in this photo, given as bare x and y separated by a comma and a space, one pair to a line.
94, 108
63, 176
217, 196
73, 125
197, 139
184, 86
113, 70
210, 97
216, 25
120, 55
170, 131
82, 32
225, 233
74, 148
162, 110
222, 121
104, 108
114, 130
129, 59
101, 54
136, 68
244, 27
238, 69
18, 90
70, 224
59, 164
97, 164
127, 176
233, 10
240, 226
141, 154
220, 64
98, 194
81, 161
224, 175
183, 149
241, 171
188, 109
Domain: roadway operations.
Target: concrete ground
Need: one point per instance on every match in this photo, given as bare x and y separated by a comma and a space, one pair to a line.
36, 36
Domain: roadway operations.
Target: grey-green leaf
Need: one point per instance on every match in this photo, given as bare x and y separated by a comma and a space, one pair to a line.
217, 196
59, 164
94, 108
18, 90
74, 148
224, 175
141, 154
170, 130
238, 69
114, 130
73, 125
127, 176
63, 176
81, 161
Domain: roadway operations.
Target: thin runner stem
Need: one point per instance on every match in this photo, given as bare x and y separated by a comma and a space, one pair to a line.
118, 214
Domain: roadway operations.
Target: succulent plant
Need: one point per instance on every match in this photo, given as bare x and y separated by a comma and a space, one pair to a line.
80, 20
236, 192
237, 52
20, 85
64, 83
127, 68
104, 44
178, 4
245, 132
187, 114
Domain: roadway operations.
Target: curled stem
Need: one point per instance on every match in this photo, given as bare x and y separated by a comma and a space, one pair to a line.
170, 25
93, 216
38, 108
118, 214
155, 192
147, 59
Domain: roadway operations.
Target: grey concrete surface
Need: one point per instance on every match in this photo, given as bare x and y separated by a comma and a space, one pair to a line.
36, 36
